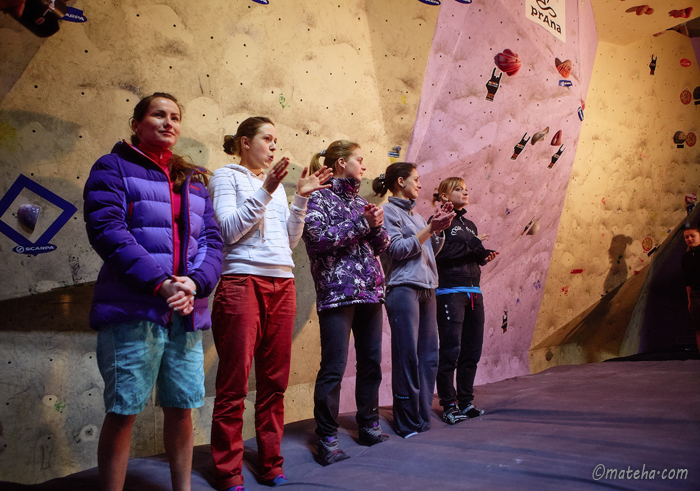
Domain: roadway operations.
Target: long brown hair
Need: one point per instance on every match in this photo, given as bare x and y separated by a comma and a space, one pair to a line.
340, 149
179, 167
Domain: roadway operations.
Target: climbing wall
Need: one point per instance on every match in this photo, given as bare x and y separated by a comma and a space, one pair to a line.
630, 179
322, 70
472, 117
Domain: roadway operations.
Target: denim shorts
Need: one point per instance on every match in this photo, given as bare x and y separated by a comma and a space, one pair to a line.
133, 356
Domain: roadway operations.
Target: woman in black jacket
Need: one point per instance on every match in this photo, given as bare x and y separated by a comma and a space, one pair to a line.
460, 310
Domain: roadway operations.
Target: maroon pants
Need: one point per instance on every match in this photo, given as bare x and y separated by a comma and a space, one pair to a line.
253, 316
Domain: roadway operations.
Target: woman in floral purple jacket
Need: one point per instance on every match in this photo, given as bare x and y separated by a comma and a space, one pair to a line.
343, 235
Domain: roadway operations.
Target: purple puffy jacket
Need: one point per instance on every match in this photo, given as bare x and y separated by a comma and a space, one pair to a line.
128, 216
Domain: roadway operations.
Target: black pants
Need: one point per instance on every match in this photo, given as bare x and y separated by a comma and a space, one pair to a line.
365, 321
414, 356
461, 331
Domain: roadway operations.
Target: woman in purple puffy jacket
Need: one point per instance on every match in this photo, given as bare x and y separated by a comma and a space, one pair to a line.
343, 236
149, 217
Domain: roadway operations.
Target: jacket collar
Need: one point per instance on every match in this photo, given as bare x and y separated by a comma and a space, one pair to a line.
406, 204
347, 187
123, 148
159, 155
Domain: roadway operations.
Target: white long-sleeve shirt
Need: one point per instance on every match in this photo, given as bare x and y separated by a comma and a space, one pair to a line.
258, 229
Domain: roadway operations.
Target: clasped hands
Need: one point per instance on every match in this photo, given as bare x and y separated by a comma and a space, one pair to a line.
179, 291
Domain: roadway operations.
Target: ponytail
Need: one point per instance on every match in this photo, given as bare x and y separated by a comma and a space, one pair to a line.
340, 149
387, 182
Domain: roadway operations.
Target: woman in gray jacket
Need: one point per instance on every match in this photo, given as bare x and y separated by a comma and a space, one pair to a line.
410, 303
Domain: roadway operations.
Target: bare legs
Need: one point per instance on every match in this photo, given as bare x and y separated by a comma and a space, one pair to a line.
113, 450
178, 441
115, 440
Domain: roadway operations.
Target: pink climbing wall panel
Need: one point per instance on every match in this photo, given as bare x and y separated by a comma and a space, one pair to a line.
458, 132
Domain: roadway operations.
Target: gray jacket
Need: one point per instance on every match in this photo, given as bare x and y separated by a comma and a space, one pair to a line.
406, 262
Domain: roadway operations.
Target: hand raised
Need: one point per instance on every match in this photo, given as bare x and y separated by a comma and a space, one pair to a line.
483, 237
314, 182
275, 175
374, 215
442, 219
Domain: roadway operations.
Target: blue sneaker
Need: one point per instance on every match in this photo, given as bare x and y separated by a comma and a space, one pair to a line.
279, 480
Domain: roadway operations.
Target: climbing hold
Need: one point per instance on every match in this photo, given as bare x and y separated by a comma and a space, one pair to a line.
508, 61
27, 215
564, 67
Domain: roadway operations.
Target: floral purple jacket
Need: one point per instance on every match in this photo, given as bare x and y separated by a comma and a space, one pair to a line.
343, 248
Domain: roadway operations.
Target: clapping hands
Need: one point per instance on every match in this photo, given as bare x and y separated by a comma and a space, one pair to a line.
442, 219
374, 215
277, 173
314, 182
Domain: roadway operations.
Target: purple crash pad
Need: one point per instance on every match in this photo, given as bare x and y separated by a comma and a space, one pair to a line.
551, 430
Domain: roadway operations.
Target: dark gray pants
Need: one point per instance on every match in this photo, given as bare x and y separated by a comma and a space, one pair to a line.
414, 356
461, 328
365, 322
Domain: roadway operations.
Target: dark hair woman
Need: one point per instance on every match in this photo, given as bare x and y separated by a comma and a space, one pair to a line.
410, 300
149, 217
255, 302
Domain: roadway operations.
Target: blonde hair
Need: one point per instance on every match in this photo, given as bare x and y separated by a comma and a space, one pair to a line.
447, 186
340, 149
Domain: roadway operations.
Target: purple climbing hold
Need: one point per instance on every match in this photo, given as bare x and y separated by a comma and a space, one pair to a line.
28, 215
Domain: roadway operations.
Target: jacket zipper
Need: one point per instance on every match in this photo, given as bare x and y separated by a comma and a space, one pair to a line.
129, 214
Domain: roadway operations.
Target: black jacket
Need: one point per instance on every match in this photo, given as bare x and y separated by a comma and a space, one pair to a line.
690, 261
459, 260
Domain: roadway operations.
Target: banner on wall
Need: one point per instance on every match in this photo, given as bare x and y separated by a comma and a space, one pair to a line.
550, 14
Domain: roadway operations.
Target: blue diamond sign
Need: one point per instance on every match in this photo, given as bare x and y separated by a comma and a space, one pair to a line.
24, 245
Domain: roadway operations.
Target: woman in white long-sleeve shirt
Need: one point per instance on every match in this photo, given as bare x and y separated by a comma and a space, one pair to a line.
255, 302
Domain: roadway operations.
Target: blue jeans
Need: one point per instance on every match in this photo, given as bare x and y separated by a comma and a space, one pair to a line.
133, 356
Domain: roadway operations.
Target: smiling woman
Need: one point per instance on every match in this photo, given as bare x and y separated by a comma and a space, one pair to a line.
149, 217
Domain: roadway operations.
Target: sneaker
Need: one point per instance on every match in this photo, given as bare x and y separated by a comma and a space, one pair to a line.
281, 479
372, 434
471, 412
452, 415
409, 435
328, 451
237, 488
